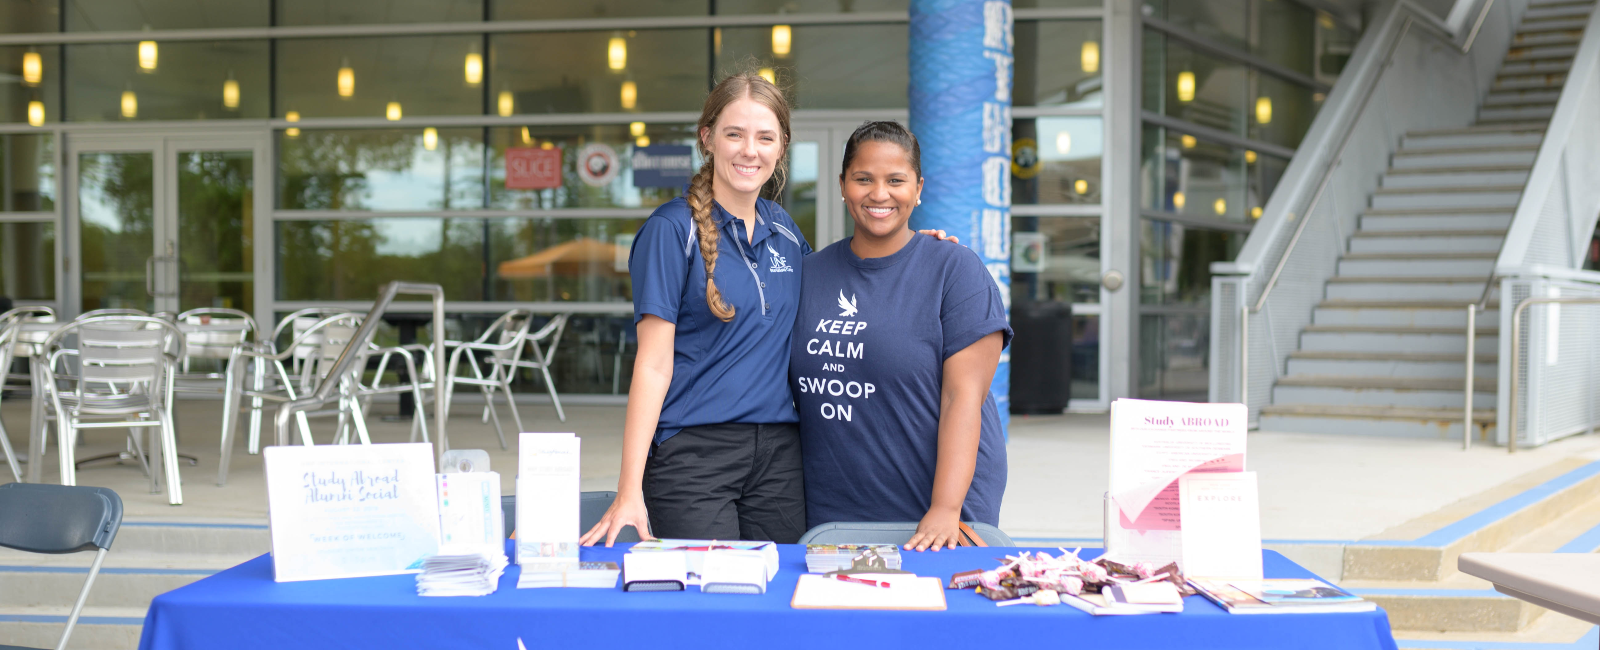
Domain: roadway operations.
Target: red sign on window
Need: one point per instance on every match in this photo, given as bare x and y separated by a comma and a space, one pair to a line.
528, 168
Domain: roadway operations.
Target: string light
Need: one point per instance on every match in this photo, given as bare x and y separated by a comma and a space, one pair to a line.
430, 138
230, 93
35, 113
347, 79
630, 95
1090, 57
782, 39
147, 56
392, 111
474, 69
617, 53
1186, 86
32, 68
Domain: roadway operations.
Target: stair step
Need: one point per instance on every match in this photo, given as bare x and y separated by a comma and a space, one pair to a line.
1390, 314
1514, 97
1449, 610
1504, 196
1463, 289
1426, 219
1521, 54
1416, 264
1385, 421
1416, 392
1436, 340
1468, 241
1493, 128
36, 586
1532, 81
1521, 112
1557, 24
1523, 134
102, 628
1437, 366
1509, 69
1453, 157
1542, 34
1512, 176
1539, 13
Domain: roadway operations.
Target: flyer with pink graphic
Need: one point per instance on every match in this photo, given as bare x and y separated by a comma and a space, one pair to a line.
1153, 444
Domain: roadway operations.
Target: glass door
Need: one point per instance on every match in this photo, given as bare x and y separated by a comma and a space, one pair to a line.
811, 193
165, 223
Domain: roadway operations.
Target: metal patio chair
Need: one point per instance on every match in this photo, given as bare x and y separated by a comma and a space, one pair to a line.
286, 384
59, 519
125, 366
501, 348
18, 341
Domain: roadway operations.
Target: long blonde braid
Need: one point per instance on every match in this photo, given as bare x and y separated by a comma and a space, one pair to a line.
700, 200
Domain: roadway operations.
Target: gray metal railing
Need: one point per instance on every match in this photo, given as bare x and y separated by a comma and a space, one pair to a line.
363, 335
1516, 352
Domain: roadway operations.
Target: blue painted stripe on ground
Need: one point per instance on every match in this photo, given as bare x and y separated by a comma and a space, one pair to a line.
1483, 518
1586, 642
1431, 593
106, 570
1585, 543
82, 620
173, 524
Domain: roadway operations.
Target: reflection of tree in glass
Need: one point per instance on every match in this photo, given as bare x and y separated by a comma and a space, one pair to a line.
215, 220
326, 170
116, 210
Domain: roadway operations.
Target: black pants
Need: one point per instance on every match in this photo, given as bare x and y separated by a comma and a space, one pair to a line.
728, 481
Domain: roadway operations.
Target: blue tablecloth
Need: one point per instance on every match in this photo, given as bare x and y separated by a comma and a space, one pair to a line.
242, 608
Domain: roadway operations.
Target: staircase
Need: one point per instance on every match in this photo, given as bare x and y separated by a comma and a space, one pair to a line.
1385, 353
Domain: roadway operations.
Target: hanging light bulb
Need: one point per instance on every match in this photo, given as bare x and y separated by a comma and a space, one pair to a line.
1185, 86
630, 95
1249, 157
1090, 57
1178, 200
636, 129
292, 116
527, 138
617, 53
32, 68
430, 138
147, 56
1220, 206
230, 93
782, 39
474, 69
130, 104
769, 75
641, 141
507, 104
1080, 186
1255, 212
35, 113
1064, 143
1188, 141
1264, 110
347, 79
392, 111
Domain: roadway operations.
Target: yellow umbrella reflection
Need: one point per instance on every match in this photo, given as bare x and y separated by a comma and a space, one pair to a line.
581, 256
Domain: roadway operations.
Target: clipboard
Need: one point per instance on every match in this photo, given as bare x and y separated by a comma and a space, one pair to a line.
909, 593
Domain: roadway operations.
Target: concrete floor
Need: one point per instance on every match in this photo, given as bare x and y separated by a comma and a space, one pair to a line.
1314, 487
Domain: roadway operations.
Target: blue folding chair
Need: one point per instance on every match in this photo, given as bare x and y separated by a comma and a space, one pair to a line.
40, 518
889, 532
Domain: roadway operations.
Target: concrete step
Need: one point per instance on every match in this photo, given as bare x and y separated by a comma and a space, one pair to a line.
1553, 25
1518, 112
1383, 421
1439, 157
1533, 67
1402, 289
1536, 14
1390, 314
1364, 338
1530, 81
238, 539
1386, 364
1529, 96
1416, 264
1427, 241
1435, 219
1451, 178
1516, 134
1414, 392
99, 628
1545, 34
1404, 198
1519, 54
36, 586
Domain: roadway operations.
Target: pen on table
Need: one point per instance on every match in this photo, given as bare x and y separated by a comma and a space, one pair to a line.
869, 583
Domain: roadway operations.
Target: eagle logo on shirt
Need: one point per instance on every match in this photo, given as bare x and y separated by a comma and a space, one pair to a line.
779, 264
848, 306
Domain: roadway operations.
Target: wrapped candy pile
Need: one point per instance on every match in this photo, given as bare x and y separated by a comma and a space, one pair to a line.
1041, 579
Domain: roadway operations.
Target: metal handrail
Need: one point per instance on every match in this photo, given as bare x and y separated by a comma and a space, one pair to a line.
351, 352
1516, 353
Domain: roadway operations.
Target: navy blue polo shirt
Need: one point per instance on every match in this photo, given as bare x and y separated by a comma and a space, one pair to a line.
722, 372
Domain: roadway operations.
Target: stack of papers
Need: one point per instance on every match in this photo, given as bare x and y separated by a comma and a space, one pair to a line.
1281, 596
733, 572
694, 552
589, 575
823, 558
655, 571
473, 574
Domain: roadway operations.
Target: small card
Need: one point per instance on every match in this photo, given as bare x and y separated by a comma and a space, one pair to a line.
1221, 525
655, 571
470, 517
1147, 593
547, 497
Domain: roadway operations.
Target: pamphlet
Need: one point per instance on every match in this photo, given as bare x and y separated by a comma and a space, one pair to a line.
695, 551
469, 513
547, 497
592, 575
1153, 444
655, 571
733, 572
1221, 525
1288, 596
345, 511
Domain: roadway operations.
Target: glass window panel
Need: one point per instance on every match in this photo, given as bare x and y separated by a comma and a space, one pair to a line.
353, 12
1199, 88
1334, 43
808, 6
1175, 261
1066, 153
1284, 35
574, 192
28, 260
188, 81
571, 72
1191, 176
1174, 356
27, 173
1069, 269
381, 169
1059, 63
1281, 111
1263, 176
526, 259
216, 217
1055, 4
19, 64
418, 75
828, 66
1222, 21
799, 196
30, 16
524, 10
1086, 357
116, 212
122, 15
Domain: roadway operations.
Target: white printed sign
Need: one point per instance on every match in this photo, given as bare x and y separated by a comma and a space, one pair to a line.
345, 511
1153, 444
1221, 525
547, 498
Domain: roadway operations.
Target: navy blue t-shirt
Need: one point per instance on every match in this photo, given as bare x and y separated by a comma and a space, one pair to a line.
868, 368
722, 372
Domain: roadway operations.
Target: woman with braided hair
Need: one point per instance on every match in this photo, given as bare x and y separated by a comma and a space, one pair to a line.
711, 444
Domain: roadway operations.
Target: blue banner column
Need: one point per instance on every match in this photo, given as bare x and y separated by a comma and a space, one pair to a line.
961, 113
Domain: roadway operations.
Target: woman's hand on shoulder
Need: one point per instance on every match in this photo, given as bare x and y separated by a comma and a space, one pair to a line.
626, 510
937, 530
941, 235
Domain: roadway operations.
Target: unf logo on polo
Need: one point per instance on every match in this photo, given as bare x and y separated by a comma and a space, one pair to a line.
779, 263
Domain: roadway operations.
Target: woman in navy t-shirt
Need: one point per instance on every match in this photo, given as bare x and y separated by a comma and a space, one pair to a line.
896, 343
